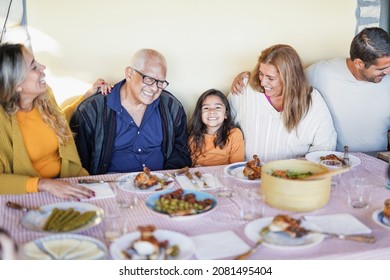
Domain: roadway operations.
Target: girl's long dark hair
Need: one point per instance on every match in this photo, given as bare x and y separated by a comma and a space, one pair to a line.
197, 129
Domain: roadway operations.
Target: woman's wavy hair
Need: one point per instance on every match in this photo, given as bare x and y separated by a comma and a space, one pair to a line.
13, 71
197, 129
296, 88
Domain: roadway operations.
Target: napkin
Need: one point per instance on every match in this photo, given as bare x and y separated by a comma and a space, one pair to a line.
102, 190
219, 245
185, 183
343, 223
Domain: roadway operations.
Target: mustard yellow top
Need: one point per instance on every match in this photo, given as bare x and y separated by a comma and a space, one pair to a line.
41, 145
17, 170
234, 151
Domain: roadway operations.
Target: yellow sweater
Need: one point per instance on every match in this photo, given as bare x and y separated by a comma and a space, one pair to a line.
234, 151
16, 167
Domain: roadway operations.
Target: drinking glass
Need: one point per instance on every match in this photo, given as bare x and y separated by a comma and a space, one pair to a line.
359, 193
333, 164
114, 225
123, 199
251, 205
224, 185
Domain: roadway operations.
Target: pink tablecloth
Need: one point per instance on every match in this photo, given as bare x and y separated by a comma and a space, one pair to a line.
214, 221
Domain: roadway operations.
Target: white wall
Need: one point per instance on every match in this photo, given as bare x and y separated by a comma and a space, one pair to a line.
206, 42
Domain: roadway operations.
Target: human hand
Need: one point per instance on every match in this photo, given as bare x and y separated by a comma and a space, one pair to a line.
240, 82
99, 85
64, 189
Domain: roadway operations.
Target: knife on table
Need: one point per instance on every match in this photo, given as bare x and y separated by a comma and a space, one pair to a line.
96, 181
193, 181
17, 206
200, 176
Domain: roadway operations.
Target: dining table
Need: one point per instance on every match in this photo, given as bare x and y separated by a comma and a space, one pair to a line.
221, 233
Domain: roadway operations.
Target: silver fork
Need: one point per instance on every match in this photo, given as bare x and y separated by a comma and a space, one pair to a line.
250, 251
352, 237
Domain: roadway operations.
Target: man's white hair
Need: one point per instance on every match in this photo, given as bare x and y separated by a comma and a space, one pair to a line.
147, 56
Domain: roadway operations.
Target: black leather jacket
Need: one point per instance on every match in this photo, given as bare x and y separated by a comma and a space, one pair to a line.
94, 126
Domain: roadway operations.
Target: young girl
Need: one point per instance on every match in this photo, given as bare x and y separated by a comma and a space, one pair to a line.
213, 137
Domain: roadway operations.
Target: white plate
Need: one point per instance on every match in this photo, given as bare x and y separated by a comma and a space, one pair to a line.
151, 204
315, 157
185, 244
35, 220
127, 183
235, 170
65, 247
280, 240
380, 219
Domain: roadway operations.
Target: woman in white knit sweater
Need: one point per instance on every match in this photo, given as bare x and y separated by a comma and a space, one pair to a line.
280, 114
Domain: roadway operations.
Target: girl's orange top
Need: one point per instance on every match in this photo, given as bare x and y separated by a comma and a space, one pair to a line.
234, 150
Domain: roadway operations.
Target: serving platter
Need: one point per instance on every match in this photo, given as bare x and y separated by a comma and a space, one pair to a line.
36, 219
151, 203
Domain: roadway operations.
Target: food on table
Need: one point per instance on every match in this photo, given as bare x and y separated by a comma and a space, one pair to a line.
177, 203
252, 168
332, 157
62, 220
145, 179
386, 210
287, 224
289, 174
147, 246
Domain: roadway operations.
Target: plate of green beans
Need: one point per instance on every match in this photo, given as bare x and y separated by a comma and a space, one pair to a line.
63, 217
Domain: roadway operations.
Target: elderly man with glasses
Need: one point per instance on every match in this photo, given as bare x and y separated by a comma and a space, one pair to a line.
138, 124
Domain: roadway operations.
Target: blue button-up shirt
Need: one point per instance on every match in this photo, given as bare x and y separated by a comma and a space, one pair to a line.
136, 147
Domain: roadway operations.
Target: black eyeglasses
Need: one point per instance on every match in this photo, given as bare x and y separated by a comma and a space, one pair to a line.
150, 80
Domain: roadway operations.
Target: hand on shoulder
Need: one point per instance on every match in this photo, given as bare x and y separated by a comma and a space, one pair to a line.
100, 85
239, 83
